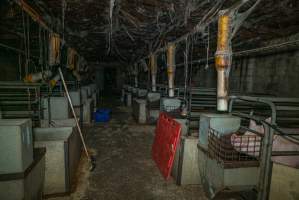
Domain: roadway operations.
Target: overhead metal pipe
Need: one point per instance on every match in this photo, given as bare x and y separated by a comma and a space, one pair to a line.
223, 59
153, 65
171, 68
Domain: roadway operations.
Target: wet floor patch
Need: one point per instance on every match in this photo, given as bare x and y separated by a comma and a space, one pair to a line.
125, 169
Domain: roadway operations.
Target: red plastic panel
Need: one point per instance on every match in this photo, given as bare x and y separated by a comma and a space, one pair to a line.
167, 136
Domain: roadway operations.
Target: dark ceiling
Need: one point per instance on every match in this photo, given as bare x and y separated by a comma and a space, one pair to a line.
127, 30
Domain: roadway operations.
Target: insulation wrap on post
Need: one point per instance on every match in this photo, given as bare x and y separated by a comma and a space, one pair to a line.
171, 68
54, 49
223, 60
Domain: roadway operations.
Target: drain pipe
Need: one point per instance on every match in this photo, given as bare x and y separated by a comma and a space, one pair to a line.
223, 59
171, 68
153, 60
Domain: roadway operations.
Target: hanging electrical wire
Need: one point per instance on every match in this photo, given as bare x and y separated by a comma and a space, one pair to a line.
208, 47
64, 6
186, 57
20, 66
45, 53
25, 43
111, 8
190, 76
28, 41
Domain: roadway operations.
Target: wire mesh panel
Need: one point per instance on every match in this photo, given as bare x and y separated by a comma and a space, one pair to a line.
235, 149
171, 109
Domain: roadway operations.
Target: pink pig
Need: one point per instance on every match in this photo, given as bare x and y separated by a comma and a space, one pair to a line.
244, 144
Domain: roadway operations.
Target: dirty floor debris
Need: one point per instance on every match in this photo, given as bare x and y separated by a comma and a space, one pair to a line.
125, 169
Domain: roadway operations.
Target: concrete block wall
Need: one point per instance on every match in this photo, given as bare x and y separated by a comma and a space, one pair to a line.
272, 74
275, 74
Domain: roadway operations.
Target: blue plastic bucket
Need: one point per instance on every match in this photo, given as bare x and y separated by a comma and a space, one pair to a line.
102, 115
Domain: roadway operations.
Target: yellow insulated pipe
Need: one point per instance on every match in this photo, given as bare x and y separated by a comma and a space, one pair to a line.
153, 62
223, 60
171, 68
54, 49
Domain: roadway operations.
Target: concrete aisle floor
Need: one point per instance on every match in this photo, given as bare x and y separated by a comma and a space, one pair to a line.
125, 169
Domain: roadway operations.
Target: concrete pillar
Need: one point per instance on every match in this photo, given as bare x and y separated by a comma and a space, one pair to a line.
171, 68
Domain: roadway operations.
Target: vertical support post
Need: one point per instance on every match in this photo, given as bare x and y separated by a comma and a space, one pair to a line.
223, 59
153, 61
171, 68
135, 75
266, 163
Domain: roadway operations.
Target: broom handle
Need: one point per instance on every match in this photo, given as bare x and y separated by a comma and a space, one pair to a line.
74, 114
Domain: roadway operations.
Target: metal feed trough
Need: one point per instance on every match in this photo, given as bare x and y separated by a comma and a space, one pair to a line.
55, 108
58, 94
63, 154
28, 184
16, 145
225, 161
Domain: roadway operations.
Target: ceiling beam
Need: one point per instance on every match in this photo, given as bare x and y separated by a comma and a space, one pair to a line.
33, 14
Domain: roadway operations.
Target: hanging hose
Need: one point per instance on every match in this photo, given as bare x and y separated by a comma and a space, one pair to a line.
25, 43
186, 57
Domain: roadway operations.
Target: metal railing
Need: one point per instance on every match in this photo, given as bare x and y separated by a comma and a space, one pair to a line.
280, 110
20, 100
